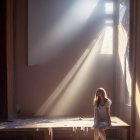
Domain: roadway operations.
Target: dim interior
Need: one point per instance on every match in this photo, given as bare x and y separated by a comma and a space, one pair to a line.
60, 52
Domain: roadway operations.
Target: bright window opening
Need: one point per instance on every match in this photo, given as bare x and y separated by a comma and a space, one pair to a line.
109, 8
109, 22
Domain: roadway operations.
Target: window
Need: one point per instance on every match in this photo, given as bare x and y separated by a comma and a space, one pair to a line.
109, 8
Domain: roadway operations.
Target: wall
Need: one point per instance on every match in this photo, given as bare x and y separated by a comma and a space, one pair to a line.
10, 58
65, 85
135, 75
137, 65
123, 73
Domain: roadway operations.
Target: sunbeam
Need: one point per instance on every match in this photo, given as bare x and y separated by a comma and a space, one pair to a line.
73, 84
63, 84
64, 31
66, 104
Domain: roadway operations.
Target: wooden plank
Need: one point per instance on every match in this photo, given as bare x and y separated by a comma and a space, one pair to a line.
44, 129
57, 123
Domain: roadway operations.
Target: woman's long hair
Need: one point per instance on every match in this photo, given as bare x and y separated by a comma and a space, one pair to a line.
97, 99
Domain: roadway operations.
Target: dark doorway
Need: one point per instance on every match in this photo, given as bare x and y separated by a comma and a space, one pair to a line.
3, 67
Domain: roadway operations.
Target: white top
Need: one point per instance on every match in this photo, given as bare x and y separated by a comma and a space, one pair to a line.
101, 111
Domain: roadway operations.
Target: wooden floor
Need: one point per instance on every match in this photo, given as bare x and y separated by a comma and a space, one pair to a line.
49, 129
